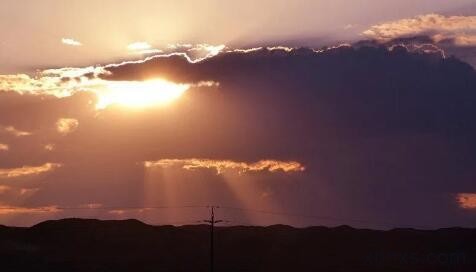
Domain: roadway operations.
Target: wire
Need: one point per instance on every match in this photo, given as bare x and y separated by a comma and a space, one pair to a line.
126, 207
244, 210
319, 217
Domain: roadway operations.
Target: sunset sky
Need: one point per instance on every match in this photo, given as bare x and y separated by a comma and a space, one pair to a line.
292, 112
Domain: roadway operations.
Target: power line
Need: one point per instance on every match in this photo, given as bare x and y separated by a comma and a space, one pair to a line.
126, 207
244, 210
319, 217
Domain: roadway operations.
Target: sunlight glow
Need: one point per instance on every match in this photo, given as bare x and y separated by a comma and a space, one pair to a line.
139, 94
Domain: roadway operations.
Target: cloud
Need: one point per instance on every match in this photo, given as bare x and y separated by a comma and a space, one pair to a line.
137, 46
4, 147
66, 82
13, 210
27, 192
462, 40
466, 201
371, 124
461, 30
196, 52
132, 212
63, 82
193, 52
349, 26
18, 192
395, 109
118, 212
204, 51
16, 132
49, 147
4, 189
142, 48
28, 170
91, 206
222, 165
60, 74
71, 42
179, 45
65, 126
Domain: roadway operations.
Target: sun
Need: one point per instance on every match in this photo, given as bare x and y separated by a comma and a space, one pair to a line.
139, 94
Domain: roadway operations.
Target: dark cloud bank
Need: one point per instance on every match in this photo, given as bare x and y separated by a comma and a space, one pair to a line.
385, 135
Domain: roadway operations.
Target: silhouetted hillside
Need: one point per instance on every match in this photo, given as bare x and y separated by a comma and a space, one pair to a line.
130, 245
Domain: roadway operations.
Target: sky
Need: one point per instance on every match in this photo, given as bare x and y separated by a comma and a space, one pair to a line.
281, 112
32, 31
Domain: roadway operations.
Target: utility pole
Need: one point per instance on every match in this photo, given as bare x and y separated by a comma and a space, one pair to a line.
212, 223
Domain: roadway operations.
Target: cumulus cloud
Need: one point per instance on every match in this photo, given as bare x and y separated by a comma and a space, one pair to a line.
28, 170
466, 201
71, 42
446, 35
65, 126
221, 165
459, 29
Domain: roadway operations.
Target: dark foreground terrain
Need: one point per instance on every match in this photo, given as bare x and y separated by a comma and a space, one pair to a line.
93, 245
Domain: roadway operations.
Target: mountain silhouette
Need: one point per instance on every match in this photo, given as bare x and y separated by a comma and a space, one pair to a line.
130, 245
